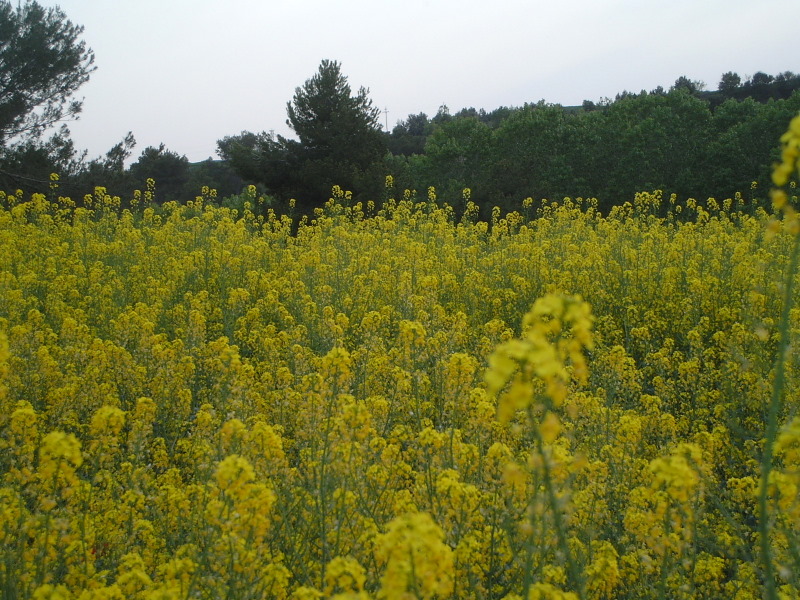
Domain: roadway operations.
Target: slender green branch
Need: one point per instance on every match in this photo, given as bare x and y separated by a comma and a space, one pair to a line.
561, 533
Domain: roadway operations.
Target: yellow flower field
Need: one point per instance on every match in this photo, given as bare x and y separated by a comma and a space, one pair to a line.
389, 402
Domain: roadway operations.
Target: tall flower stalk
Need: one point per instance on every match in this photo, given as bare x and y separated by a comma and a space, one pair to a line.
789, 165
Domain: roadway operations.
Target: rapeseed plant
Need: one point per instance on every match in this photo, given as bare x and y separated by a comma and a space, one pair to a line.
390, 402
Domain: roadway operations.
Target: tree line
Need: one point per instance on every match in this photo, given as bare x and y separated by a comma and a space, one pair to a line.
676, 141
684, 140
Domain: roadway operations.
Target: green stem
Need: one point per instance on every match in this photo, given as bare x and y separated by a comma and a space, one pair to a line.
770, 592
572, 569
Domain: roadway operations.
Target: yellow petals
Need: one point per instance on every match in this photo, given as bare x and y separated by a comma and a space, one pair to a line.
233, 474
417, 562
550, 428
395, 400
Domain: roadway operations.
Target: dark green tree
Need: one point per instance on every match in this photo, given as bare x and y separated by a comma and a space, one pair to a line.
442, 115
457, 156
247, 152
408, 136
216, 174
688, 85
760, 86
42, 63
107, 170
786, 83
417, 124
651, 142
169, 169
339, 135
231, 145
29, 163
743, 147
498, 115
339, 142
729, 82
761, 78
329, 120
533, 154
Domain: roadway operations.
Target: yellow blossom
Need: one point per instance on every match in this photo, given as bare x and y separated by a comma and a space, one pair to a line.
416, 560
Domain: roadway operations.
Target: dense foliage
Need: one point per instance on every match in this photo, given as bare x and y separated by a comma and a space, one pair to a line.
395, 402
339, 141
683, 141
674, 141
42, 63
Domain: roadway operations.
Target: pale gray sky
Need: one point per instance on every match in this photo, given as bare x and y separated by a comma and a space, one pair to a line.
189, 72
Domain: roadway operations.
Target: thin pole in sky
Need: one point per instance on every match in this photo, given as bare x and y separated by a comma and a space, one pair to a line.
386, 115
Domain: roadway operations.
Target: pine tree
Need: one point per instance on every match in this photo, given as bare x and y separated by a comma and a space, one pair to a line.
42, 63
332, 122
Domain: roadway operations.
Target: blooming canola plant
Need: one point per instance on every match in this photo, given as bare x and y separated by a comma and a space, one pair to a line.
395, 402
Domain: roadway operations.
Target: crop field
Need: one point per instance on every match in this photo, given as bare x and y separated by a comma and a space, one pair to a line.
397, 401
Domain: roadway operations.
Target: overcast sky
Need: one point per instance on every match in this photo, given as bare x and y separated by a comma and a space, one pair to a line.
189, 72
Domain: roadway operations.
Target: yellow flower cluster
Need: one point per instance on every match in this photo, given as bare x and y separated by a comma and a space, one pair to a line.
392, 403
782, 174
790, 155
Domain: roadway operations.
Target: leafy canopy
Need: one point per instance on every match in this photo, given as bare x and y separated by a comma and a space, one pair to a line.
42, 63
339, 141
327, 117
